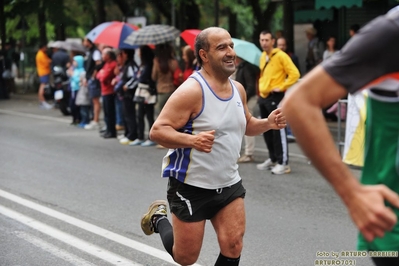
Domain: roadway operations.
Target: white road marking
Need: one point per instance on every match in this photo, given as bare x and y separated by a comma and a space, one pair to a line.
91, 228
54, 250
87, 247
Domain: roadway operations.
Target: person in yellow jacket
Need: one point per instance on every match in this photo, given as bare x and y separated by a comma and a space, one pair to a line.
43, 71
277, 74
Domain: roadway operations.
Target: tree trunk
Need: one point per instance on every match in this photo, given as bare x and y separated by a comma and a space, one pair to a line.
126, 9
232, 23
181, 16
193, 15
2, 24
60, 32
58, 20
100, 10
263, 19
162, 8
288, 22
41, 18
216, 24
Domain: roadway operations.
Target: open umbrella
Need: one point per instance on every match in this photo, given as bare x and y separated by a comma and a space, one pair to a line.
152, 34
112, 33
68, 45
189, 36
247, 51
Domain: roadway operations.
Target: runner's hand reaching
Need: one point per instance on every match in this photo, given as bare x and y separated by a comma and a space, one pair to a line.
276, 119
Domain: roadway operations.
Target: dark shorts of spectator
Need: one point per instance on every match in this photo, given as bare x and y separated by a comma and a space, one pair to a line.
44, 79
193, 204
94, 88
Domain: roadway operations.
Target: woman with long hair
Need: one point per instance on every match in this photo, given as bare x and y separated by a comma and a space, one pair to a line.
189, 61
145, 109
163, 69
128, 89
331, 47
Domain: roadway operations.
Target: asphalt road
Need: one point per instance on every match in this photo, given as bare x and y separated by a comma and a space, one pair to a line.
69, 197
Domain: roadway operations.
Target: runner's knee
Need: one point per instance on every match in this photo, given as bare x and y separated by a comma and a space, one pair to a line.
231, 245
184, 257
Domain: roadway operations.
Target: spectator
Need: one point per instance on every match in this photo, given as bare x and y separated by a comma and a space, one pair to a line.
92, 65
248, 74
4, 67
75, 72
331, 47
282, 45
277, 74
353, 29
60, 58
315, 49
83, 101
331, 112
129, 86
105, 76
11, 64
189, 61
120, 120
43, 70
278, 34
145, 109
163, 69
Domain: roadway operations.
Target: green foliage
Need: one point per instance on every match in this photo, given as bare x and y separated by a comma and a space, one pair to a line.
245, 19
277, 22
78, 16
244, 12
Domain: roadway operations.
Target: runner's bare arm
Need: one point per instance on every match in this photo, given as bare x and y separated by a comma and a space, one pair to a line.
255, 126
185, 103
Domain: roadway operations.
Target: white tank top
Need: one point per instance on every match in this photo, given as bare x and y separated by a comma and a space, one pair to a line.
218, 168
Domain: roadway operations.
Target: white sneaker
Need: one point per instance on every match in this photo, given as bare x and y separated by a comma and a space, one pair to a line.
148, 143
119, 137
136, 142
46, 105
280, 169
92, 125
266, 165
125, 141
245, 159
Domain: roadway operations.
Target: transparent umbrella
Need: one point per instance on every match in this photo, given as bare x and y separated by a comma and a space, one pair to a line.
247, 51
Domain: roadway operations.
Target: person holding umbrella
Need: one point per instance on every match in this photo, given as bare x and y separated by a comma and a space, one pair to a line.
201, 164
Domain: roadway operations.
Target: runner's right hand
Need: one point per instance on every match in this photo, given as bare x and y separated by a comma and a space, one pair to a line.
204, 140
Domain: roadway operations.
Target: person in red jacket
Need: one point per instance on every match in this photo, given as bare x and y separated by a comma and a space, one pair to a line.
105, 76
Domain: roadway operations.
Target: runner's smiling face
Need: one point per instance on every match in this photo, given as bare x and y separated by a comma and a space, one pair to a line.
221, 54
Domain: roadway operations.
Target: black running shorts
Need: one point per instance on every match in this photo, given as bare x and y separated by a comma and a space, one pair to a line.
193, 204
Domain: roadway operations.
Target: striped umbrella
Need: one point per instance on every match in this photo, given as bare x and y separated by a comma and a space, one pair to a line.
112, 33
153, 34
